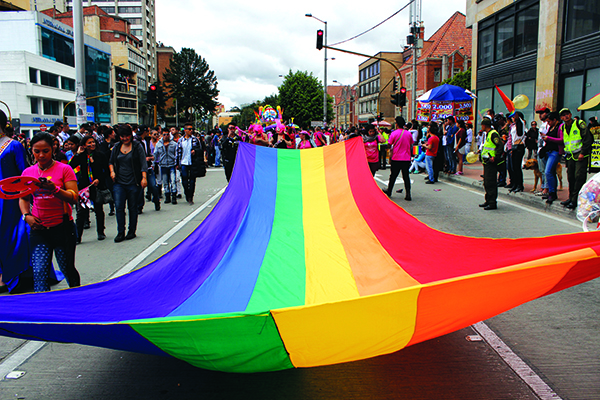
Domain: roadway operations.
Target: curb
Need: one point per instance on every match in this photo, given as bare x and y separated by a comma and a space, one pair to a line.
524, 198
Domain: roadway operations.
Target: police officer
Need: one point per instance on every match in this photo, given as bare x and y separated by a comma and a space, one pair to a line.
491, 156
578, 147
229, 146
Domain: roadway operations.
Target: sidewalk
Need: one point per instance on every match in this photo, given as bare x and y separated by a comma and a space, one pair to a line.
472, 178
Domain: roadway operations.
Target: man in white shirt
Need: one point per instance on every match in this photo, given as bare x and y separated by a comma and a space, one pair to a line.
544, 128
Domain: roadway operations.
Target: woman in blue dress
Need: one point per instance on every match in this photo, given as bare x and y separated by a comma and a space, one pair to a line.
14, 239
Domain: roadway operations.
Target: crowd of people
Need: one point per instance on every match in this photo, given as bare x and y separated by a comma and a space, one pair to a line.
126, 166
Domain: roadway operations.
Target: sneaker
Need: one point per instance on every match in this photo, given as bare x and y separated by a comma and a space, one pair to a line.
565, 203
101, 236
429, 182
458, 173
571, 206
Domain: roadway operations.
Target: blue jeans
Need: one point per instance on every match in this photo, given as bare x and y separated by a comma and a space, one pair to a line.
429, 166
129, 193
169, 179
450, 158
552, 159
217, 156
152, 188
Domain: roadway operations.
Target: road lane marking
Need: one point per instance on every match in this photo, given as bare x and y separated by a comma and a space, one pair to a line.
533, 380
29, 348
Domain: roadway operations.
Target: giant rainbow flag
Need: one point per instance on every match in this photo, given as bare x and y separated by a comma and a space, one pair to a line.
304, 262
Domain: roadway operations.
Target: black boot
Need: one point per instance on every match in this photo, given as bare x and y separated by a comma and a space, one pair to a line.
167, 198
173, 198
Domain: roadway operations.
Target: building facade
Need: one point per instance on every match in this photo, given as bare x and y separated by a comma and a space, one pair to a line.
141, 16
374, 88
446, 53
548, 50
129, 75
343, 105
37, 72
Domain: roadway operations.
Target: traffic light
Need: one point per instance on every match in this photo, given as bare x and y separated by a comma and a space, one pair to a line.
379, 117
151, 94
319, 39
395, 86
395, 99
402, 97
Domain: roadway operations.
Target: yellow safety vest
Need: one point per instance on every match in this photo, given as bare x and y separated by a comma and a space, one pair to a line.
489, 147
572, 139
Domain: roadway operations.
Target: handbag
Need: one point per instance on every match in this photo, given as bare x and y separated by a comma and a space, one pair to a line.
103, 196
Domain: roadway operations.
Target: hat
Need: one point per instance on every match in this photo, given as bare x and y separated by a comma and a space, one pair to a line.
565, 110
543, 110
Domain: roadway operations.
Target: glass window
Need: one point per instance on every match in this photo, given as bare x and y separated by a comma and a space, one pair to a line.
50, 107
573, 92
57, 47
70, 110
35, 105
486, 46
484, 100
505, 39
437, 74
48, 79
33, 75
528, 89
499, 105
108, 10
68, 83
130, 10
583, 18
592, 88
527, 30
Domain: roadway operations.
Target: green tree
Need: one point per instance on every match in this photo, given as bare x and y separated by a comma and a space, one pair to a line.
189, 80
301, 98
462, 79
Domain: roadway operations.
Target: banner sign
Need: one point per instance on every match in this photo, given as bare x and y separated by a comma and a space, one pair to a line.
436, 110
595, 161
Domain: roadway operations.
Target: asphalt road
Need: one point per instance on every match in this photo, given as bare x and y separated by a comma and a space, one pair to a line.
556, 337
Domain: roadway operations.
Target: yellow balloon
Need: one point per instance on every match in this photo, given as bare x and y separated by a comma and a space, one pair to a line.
521, 101
472, 157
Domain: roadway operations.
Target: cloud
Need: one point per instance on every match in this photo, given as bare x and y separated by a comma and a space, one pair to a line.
250, 44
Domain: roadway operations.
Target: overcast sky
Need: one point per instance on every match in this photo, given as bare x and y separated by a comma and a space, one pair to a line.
249, 44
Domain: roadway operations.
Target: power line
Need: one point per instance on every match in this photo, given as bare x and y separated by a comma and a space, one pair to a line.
379, 24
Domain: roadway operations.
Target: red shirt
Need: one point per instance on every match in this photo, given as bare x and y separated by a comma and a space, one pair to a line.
434, 142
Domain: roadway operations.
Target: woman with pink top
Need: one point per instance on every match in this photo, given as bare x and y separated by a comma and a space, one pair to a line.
371, 141
400, 142
50, 219
304, 141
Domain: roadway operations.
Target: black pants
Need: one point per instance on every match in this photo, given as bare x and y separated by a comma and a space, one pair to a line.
396, 167
490, 184
188, 181
228, 169
438, 164
83, 215
374, 167
517, 172
382, 156
577, 175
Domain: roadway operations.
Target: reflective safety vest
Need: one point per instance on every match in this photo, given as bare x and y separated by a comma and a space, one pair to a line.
489, 147
572, 139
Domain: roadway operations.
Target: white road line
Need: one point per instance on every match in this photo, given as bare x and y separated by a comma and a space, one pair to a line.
539, 387
522, 207
27, 350
130, 266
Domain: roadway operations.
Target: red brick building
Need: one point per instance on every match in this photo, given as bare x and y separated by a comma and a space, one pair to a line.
164, 54
446, 53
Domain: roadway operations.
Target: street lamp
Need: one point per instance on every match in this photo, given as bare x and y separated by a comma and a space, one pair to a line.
325, 78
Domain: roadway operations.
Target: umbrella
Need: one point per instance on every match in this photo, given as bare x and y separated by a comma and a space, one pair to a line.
382, 123
592, 104
447, 93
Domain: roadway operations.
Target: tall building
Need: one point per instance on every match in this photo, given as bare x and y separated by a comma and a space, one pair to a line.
141, 16
375, 88
128, 61
40, 5
548, 50
37, 71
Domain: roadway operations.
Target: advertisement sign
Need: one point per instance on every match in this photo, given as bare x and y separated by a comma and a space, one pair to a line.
436, 110
463, 111
595, 161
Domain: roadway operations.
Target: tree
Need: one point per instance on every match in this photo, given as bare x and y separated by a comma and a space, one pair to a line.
301, 98
462, 79
189, 80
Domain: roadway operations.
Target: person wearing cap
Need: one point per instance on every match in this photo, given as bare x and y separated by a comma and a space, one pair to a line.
578, 147
491, 157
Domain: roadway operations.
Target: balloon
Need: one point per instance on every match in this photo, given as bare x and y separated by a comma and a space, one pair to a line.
521, 101
472, 157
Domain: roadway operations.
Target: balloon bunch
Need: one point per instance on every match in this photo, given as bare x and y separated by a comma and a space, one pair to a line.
518, 103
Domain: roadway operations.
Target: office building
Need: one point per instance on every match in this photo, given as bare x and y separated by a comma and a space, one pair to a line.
37, 70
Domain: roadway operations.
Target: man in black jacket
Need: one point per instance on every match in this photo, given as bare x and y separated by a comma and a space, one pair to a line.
229, 146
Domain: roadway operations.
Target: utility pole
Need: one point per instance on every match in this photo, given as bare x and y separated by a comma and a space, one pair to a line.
80, 102
415, 29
